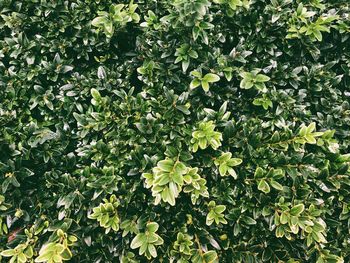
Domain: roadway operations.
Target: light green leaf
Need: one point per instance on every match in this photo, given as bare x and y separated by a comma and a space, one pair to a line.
246, 84
99, 21
264, 186
95, 94
166, 165
195, 83
152, 227
205, 85
210, 77
21, 258
219, 209
276, 185
138, 240
152, 250
223, 169
210, 256
196, 74
297, 209
8, 253
284, 218
234, 161
262, 78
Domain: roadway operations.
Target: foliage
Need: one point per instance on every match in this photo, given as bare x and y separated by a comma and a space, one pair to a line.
175, 131
203, 80
118, 16
147, 241
215, 214
254, 79
106, 214
206, 136
225, 164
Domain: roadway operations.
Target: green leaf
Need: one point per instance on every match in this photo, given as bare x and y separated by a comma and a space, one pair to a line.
8, 253
276, 185
193, 54
29, 252
202, 143
297, 209
303, 131
211, 78
166, 165
246, 84
232, 173
21, 258
99, 21
284, 218
138, 240
205, 85
109, 28
264, 186
178, 178
152, 250
210, 256
185, 64
259, 172
143, 248
162, 180
310, 139
66, 254
262, 78
234, 161
152, 227
223, 169
248, 220
95, 94
279, 231
196, 74
183, 109
310, 128
195, 83
44, 257
152, 238
318, 35
219, 209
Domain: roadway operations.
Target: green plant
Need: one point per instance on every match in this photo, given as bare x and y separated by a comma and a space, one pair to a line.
129, 226
234, 4
264, 101
215, 214
106, 214
21, 253
58, 249
151, 21
203, 81
195, 185
106, 132
300, 25
267, 179
184, 54
167, 180
205, 136
147, 241
254, 79
183, 245
117, 16
225, 164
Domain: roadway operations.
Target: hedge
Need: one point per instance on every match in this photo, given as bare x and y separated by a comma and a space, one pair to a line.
175, 131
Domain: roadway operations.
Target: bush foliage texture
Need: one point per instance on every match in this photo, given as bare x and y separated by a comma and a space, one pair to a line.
175, 131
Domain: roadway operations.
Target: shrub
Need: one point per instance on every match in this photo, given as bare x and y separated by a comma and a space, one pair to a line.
175, 131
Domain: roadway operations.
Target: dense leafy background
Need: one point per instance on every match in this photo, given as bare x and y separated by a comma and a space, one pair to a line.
94, 95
